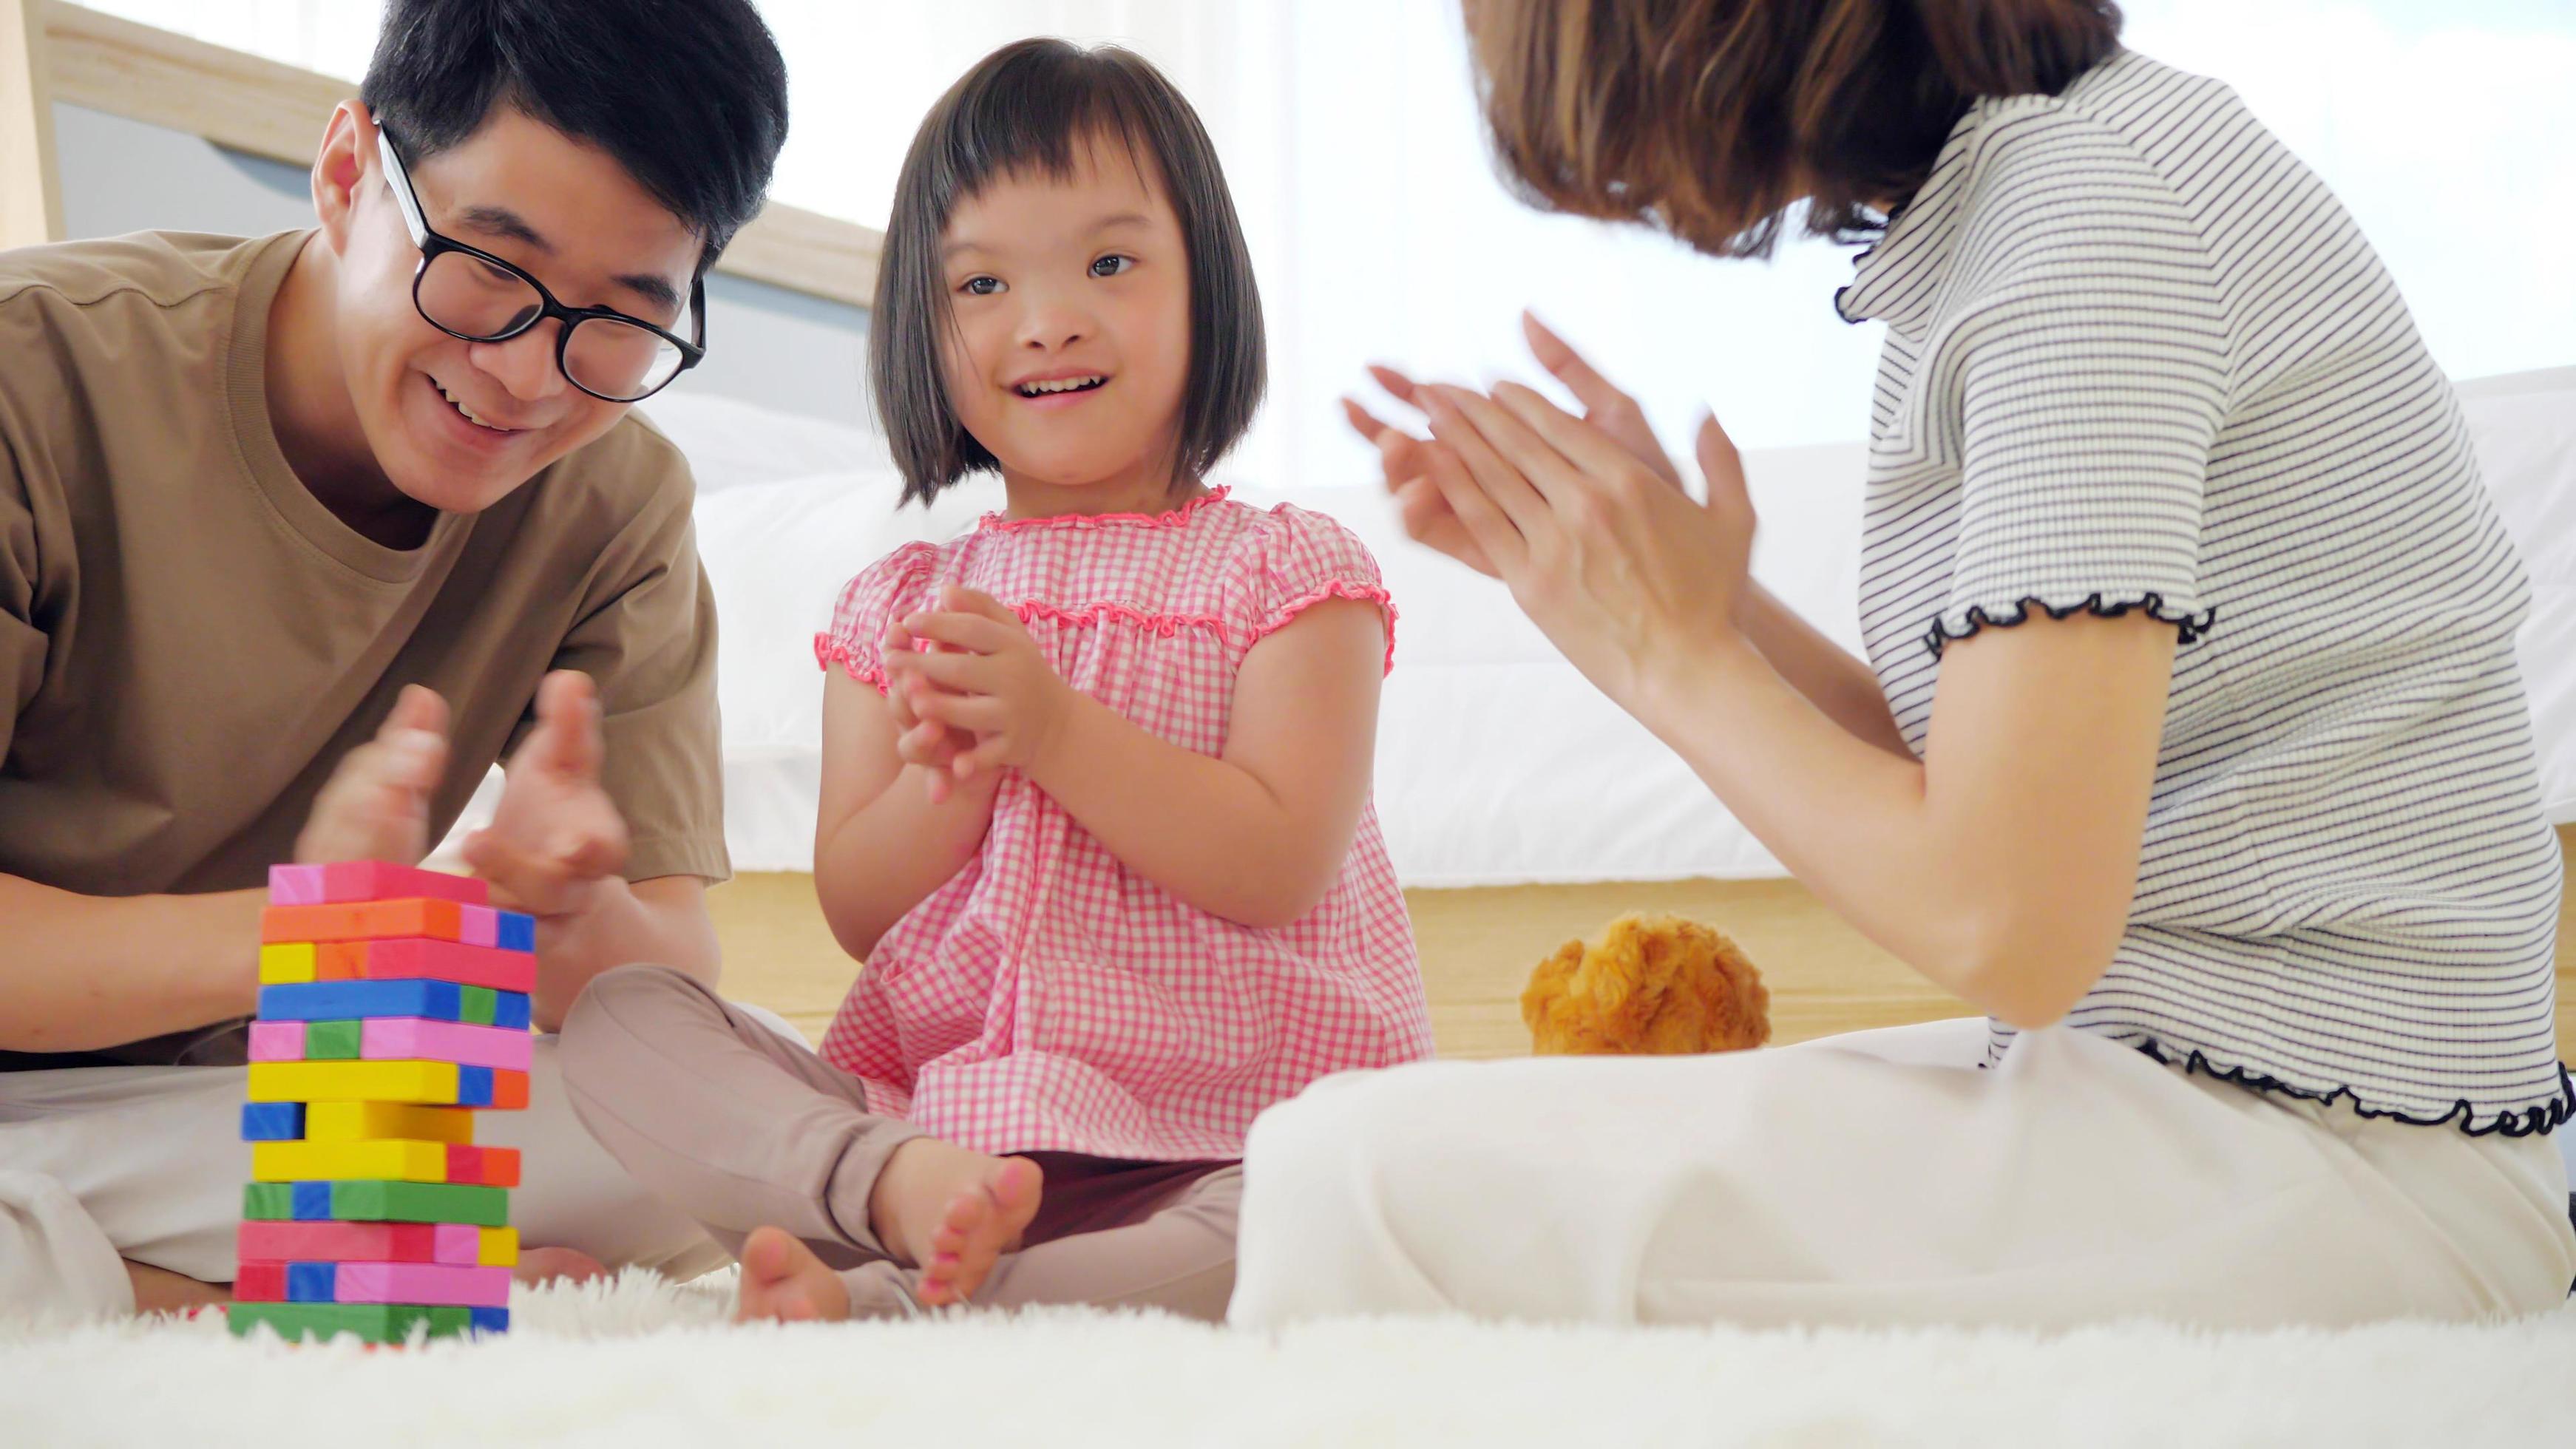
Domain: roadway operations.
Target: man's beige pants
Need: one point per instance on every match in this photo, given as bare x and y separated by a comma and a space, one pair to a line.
102, 1164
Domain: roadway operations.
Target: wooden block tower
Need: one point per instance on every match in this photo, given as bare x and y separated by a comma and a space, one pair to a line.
393, 1004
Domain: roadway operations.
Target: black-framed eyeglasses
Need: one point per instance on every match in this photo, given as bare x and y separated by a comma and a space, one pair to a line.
474, 296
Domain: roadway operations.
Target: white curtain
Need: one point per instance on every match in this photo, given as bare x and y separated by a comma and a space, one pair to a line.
1350, 140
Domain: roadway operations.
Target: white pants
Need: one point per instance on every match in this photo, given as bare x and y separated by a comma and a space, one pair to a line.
102, 1164
1880, 1178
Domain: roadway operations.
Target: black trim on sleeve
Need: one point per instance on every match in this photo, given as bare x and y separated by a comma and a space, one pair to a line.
2151, 603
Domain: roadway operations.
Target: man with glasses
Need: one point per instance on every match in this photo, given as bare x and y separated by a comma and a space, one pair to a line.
300, 534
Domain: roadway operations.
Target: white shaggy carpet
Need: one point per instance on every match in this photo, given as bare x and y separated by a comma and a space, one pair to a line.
639, 1362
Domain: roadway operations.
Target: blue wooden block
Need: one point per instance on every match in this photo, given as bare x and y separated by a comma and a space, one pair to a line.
312, 1282
357, 1000
515, 931
510, 1009
473, 1086
313, 1202
272, 1121
491, 1320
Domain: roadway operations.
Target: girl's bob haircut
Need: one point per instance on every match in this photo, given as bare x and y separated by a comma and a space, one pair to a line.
1031, 108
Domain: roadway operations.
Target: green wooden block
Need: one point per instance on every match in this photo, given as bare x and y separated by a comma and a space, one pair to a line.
368, 1200
372, 1201
478, 1005
268, 1202
371, 1322
331, 1041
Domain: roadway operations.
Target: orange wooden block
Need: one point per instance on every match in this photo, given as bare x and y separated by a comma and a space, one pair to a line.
483, 1166
363, 921
509, 1090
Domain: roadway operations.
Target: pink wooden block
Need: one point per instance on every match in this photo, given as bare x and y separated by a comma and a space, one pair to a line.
368, 880
459, 1243
295, 885
409, 1038
481, 927
429, 1283
277, 1041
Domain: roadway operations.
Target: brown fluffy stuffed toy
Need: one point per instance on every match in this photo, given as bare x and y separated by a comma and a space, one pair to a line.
1653, 985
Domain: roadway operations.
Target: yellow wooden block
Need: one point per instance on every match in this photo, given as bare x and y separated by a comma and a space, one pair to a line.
290, 964
315, 1161
500, 1248
372, 1121
433, 1082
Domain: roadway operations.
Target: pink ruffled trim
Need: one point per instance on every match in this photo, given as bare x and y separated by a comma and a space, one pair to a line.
829, 651
1161, 626
1176, 518
1360, 593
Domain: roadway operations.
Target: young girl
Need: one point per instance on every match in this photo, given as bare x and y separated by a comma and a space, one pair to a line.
1095, 784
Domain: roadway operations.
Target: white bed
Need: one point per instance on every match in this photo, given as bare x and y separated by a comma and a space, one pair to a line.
1497, 763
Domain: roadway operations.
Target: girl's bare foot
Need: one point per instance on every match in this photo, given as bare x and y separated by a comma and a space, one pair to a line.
951, 1212
548, 1265
784, 1282
158, 1290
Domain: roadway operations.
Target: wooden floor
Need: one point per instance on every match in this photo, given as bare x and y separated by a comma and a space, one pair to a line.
1478, 947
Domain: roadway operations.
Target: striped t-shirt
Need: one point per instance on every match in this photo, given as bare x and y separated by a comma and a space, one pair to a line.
2138, 357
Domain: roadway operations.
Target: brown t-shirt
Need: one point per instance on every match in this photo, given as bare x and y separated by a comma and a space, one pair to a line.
190, 641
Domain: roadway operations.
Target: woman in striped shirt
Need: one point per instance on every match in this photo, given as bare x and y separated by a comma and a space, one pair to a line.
2190, 746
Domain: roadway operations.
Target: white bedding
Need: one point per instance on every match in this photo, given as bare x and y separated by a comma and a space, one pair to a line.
1497, 764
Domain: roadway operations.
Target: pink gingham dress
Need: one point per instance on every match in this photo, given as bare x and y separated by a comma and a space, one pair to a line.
1048, 997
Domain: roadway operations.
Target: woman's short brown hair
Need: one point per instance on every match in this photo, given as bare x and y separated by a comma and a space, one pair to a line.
1030, 108
1710, 118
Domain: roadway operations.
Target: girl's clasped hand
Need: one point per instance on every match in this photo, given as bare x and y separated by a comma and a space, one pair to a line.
971, 692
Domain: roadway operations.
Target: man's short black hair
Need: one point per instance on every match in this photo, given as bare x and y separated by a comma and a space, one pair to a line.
690, 96
1030, 108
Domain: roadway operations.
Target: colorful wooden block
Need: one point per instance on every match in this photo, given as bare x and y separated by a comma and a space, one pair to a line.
430, 1082
493, 1247
312, 1282
434, 960
334, 1041
272, 1121
366, 921
330, 1242
509, 1091
506, 930
357, 1000
259, 1282
369, 1201
341, 1161
277, 1041
369, 1322
489, 1166
499, 1089
401, 1038
436, 1283
368, 1121
343, 882
384, 1161
287, 962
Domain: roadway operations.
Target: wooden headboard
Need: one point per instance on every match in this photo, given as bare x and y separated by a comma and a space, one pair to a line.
58, 52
